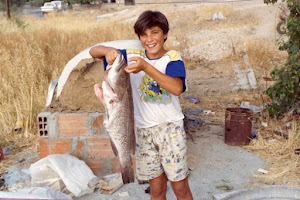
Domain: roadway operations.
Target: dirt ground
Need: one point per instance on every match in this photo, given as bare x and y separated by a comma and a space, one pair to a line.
215, 166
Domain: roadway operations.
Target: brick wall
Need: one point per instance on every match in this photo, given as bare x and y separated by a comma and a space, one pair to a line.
79, 134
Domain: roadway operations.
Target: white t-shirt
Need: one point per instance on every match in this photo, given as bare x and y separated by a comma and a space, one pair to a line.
154, 105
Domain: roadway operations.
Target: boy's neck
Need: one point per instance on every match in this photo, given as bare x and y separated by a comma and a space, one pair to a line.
156, 56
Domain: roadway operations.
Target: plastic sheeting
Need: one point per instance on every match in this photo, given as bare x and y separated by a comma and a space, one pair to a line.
58, 169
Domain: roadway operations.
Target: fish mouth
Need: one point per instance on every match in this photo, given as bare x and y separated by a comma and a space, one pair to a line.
121, 64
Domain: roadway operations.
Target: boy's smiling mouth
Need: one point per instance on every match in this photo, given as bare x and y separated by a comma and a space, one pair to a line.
151, 45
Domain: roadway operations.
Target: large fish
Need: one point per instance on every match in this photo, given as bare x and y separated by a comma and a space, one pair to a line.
116, 95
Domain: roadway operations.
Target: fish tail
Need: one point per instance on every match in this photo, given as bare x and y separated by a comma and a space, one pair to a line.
127, 173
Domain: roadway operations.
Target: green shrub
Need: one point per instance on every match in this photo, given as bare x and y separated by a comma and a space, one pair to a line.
285, 93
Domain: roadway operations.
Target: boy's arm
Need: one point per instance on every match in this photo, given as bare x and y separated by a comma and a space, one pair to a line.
100, 51
173, 85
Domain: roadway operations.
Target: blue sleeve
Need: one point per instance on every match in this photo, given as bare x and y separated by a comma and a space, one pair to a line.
177, 69
123, 51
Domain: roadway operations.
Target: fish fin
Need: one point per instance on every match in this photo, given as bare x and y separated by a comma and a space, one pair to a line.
132, 142
99, 92
113, 146
127, 173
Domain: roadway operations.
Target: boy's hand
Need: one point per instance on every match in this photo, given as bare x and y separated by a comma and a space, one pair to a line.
111, 56
138, 65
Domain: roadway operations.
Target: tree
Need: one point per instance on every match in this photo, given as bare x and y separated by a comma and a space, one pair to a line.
285, 93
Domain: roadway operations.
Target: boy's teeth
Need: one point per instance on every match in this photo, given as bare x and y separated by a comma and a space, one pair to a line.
151, 45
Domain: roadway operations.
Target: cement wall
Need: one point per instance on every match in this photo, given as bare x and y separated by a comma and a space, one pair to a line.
79, 134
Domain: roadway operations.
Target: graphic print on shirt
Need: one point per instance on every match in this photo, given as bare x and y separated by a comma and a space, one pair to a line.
150, 91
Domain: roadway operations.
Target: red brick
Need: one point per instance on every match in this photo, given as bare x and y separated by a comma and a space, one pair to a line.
43, 148
97, 124
72, 132
79, 149
99, 147
115, 165
72, 124
95, 166
73, 117
61, 146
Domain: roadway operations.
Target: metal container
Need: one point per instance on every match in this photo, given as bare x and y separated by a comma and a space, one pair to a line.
1, 155
238, 126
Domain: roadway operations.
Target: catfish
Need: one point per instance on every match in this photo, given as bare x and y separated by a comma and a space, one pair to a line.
116, 95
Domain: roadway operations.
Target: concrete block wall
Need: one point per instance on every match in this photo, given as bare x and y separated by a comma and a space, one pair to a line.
79, 134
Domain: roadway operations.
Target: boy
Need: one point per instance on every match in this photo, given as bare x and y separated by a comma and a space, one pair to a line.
157, 79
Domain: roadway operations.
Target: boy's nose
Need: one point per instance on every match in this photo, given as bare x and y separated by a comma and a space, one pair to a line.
149, 38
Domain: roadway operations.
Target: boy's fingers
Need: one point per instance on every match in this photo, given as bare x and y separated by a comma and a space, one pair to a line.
133, 59
126, 70
111, 57
129, 68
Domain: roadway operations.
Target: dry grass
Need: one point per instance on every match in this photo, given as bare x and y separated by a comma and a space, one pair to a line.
33, 52
200, 17
264, 54
284, 164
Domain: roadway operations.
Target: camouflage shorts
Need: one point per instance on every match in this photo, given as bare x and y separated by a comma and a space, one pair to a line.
159, 149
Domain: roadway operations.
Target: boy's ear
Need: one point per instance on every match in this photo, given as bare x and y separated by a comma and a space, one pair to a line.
165, 37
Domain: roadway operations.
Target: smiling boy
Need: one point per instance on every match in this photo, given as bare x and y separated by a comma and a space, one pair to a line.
157, 78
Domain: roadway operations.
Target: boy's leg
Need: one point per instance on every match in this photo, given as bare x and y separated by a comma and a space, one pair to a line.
182, 189
158, 187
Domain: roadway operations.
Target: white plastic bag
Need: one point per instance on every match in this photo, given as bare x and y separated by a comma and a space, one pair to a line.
74, 173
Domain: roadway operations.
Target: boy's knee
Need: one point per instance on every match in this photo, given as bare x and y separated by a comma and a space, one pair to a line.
181, 188
158, 192
158, 187
180, 191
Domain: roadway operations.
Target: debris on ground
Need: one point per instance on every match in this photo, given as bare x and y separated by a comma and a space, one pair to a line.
123, 194
194, 100
15, 179
147, 190
111, 183
224, 187
1, 155
63, 170
263, 171
192, 123
253, 108
218, 16
285, 136
63, 173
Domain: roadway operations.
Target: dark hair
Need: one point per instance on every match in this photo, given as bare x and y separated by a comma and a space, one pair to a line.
149, 19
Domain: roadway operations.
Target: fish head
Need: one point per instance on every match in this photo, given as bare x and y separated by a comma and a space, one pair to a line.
117, 77
109, 96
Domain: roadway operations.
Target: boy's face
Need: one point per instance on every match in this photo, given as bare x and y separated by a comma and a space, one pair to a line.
153, 41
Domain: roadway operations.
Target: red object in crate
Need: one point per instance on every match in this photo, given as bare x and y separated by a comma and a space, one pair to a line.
1, 155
